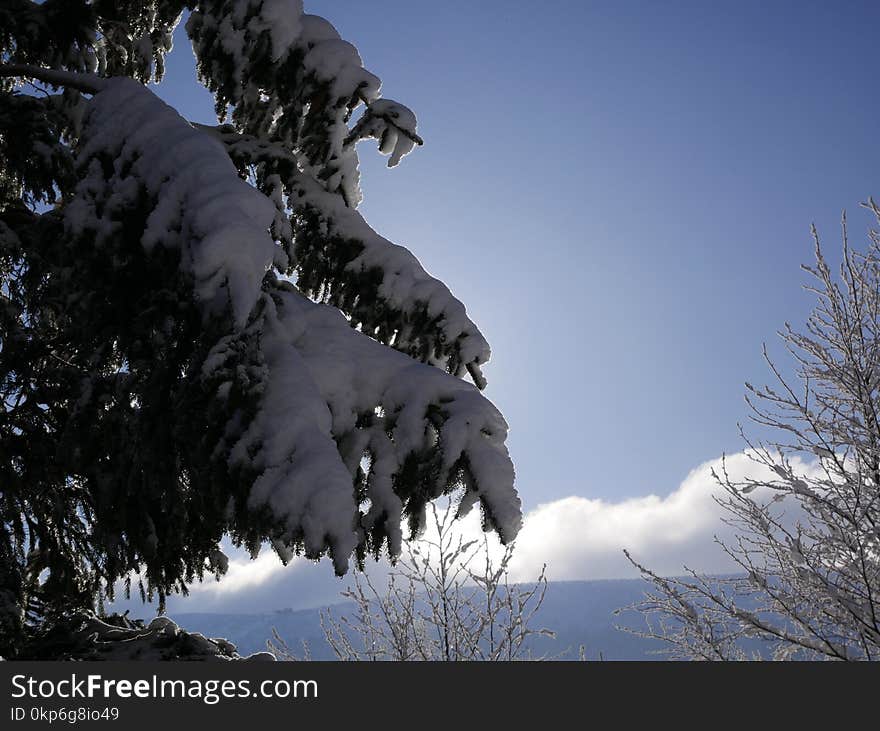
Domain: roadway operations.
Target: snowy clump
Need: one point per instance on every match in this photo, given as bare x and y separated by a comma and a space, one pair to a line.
386, 273
393, 124
283, 20
201, 205
303, 94
84, 636
334, 395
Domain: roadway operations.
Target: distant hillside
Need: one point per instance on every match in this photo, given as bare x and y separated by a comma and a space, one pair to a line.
580, 612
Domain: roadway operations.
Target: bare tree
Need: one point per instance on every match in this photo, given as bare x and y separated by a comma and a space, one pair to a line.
445, 599
807, 539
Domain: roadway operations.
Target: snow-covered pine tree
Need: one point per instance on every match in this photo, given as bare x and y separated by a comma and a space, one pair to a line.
199, 334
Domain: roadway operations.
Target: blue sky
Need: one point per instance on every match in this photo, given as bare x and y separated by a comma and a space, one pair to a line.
621, 194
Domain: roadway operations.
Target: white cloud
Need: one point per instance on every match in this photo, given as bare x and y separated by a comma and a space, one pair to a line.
577, 537
580, 538
243, 574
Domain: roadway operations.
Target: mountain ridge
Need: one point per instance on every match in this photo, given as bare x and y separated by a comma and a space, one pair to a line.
580, 613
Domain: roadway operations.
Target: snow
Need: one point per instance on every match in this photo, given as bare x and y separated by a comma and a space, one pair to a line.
330, 66
324, 377
333, 395
316, 29
201, 205
338, 63
85, 636
405, 285
393, 124
282, 18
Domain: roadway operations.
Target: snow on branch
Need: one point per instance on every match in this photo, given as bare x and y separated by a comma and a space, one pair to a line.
390, 122
381, 286
293, 86
343, 423
290, 76
368, 400
201, 205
